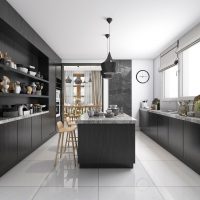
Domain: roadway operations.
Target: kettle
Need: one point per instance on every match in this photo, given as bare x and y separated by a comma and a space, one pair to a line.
20, 110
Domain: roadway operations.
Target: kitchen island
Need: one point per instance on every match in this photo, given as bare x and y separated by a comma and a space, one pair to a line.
106, 142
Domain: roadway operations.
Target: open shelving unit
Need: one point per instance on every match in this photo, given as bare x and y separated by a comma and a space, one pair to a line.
22, 52
20, 73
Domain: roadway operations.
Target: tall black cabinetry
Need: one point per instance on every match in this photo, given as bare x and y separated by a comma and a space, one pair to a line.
192, 145
24, 137
8, 146
176, 137
163, 131
180, 137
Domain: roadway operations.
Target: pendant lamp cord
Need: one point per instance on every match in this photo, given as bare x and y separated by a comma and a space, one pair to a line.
109, 37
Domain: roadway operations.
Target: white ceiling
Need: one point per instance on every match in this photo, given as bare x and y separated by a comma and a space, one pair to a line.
140, 29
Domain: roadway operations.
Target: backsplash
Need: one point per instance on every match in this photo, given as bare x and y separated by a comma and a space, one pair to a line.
173, 105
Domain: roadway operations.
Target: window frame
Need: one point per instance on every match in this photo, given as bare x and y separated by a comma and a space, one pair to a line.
180, 82
163, 86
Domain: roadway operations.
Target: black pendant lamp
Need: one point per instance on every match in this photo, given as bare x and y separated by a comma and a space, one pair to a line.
108, 66
78, 81
106, 76
68, 80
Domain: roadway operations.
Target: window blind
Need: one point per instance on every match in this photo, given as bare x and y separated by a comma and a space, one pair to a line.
189, 39
168, 57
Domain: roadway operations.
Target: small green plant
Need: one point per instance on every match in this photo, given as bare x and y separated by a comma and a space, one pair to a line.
197, 106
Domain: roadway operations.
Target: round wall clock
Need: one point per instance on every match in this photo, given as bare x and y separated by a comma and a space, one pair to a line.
142, 76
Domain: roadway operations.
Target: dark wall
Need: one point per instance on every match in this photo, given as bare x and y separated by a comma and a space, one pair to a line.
120, 86
14, 20
11, 17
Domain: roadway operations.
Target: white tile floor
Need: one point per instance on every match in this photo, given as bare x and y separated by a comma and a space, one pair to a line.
157, 175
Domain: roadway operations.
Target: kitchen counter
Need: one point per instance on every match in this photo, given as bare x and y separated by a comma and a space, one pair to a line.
174, 115
119, 119
4, 120
106, 142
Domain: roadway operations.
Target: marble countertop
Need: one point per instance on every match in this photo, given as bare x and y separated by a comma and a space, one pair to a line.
119, 119
7, 120
174, 115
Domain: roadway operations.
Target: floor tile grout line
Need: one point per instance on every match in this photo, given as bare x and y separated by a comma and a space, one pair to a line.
42, 183
98, 184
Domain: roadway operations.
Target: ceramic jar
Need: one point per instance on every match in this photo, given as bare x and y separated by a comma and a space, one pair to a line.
33, 85
17, 87
23, 88
5, 84
29, 90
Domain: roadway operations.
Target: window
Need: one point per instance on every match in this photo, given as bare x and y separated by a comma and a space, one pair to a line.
171, 82
191, 71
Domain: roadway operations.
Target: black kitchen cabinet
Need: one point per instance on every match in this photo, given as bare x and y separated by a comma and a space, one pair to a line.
8, 146
36, 131
163, 131
24, 138
192, 145
144, 121
176, 137
48, 126
153, 131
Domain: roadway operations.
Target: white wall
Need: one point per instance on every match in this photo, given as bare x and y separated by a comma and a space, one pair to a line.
140, 91
157, 83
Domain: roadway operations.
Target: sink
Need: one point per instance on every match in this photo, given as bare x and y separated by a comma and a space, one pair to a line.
170, 111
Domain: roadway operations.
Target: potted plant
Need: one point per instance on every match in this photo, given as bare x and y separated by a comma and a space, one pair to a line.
197, 108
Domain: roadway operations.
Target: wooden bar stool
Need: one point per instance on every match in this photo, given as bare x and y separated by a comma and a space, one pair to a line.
70, 124
70, 137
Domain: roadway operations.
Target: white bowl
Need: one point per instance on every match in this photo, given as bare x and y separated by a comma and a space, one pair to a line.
32, 73
109, 111
22, 69
113, 106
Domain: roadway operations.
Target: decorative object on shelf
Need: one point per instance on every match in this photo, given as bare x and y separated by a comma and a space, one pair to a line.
78, 80
39, 87
29, 89
34, 86
196, 104
2, 60
32, 73
17, 87
108, 66
114, 109
11, 87
20, 110
183, 108
90, 112
109, 113
23, 88
7, 59
5, 84
22, 68
142, 76
155, 104
144, 104
10, 111
38, 74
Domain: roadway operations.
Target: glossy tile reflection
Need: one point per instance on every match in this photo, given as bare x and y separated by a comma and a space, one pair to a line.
157, 175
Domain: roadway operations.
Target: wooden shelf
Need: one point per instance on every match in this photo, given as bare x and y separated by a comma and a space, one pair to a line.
9, 69
22, 95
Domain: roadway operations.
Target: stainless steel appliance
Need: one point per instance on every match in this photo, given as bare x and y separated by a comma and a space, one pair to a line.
57, 103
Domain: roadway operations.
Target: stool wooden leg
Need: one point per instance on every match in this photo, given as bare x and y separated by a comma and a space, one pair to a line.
57, 151
61, 150
73, 147
66, 142
76, 142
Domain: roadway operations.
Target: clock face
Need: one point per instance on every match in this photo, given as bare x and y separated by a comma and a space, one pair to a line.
142, 76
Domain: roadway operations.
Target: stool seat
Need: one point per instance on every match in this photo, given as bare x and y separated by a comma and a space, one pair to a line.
67, 129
